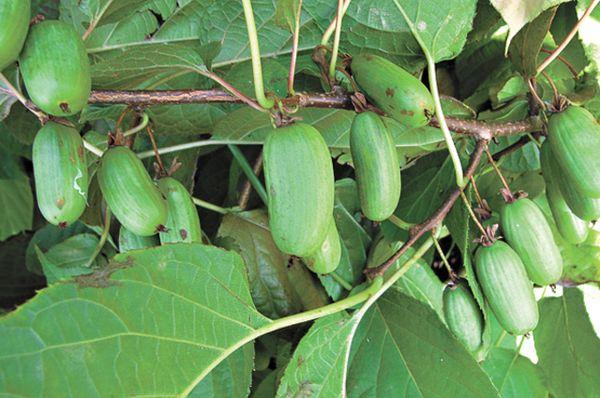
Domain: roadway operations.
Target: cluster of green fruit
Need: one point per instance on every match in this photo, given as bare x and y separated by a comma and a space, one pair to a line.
505, 271
299, 170
56, 72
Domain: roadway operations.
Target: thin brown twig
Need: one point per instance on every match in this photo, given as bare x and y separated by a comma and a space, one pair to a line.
568, 38
497, 170
247, 188
161, 167
514, 147
435, 219
554, 89
477, 194
234, 91
564, 61
295, 40
533, 91
472, 213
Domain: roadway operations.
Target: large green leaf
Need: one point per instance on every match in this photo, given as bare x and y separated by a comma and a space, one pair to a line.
567, 346
318, 367
518, 13
248, 234
402, 349
155, 322
514, 375
16, 198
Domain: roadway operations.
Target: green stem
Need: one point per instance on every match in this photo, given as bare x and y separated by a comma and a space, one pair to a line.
400, 223
458, 171
255, 53
212, 207
194, 144
92, 148
344, 283
285, 322
336, 39
139, 127
103, 238
443, 257
331, 28
249, 172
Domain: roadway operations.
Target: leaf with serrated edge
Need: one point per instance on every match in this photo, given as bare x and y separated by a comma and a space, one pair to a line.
163, 319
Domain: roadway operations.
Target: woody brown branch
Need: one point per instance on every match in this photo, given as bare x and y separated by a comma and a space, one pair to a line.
434, 220
143, 98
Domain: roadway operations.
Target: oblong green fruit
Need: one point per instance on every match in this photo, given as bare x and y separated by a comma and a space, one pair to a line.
584, 207
463, 316
14, 24
574, 136
327, 257
394, 90
376, 166
130, 193
527, 231
183, 222
506, 287
572, 228
56, 69
60, 172
130, 241
299, 181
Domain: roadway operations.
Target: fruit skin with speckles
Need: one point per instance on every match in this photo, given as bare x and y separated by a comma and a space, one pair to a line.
183, 222
130, 241
572, 228
506, 287
527, 231
299, 181
14, 24
60, 173
327, 258
463, 316
130, 193
376, 166
398, 93
574, 136
56, 69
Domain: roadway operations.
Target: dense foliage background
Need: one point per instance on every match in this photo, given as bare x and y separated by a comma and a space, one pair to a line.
199, 320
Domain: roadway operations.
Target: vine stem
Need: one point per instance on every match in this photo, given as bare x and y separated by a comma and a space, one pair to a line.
472, 213
209, 206
247, 188
12, 91
331, 28
249, 172
400, 223
458, 171
259, 88
344, 283
295, 40
367, 296
442, 255
139, 127
336, 39
235, 92
161, 167
103, 238
92, 148
568, 38
194, 144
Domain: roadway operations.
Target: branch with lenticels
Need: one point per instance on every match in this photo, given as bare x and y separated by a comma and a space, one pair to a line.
435, 219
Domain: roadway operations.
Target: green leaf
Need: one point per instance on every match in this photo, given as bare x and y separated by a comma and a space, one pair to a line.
442, 25
69, 258
6, 101
248, 234
318, 367
46, 237
16, 211
526, 45
425, 186
517, 14
232, 378
285, 14
589, 35
154, 322
514, 375
402, 349
567, 346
